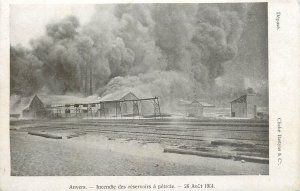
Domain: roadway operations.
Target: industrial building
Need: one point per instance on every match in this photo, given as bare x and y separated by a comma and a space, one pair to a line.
244, 106
117, 104
125, 104
36, 108
194, 108
59, 106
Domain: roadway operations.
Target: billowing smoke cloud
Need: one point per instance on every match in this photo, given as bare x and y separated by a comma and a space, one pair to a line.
24, 71
167, 85
167, 50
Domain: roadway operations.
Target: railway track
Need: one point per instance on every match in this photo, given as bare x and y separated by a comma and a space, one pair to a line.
233, 137
186, 130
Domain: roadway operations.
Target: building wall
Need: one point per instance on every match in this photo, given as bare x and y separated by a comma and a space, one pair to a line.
82, 110
35, 109
246, 109
195, 110
109, 109
238, 109
41, 113
251, 106
118, 109
36, 104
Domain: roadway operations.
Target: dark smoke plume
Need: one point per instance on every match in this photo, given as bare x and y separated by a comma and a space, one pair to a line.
160, 49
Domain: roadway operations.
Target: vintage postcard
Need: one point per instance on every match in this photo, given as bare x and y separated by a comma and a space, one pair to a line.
185, 96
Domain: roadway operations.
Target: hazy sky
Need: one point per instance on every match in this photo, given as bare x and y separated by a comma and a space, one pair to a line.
28, 21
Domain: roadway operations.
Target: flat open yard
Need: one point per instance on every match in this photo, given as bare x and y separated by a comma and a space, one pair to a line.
138, 147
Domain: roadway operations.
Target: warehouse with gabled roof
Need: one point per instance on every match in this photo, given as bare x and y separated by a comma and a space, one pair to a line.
116, 104
194, 108
244, 106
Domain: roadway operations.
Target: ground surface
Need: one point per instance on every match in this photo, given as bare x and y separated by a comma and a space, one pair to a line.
132, 148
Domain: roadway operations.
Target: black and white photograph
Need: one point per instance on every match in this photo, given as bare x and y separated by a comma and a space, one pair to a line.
154, 89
